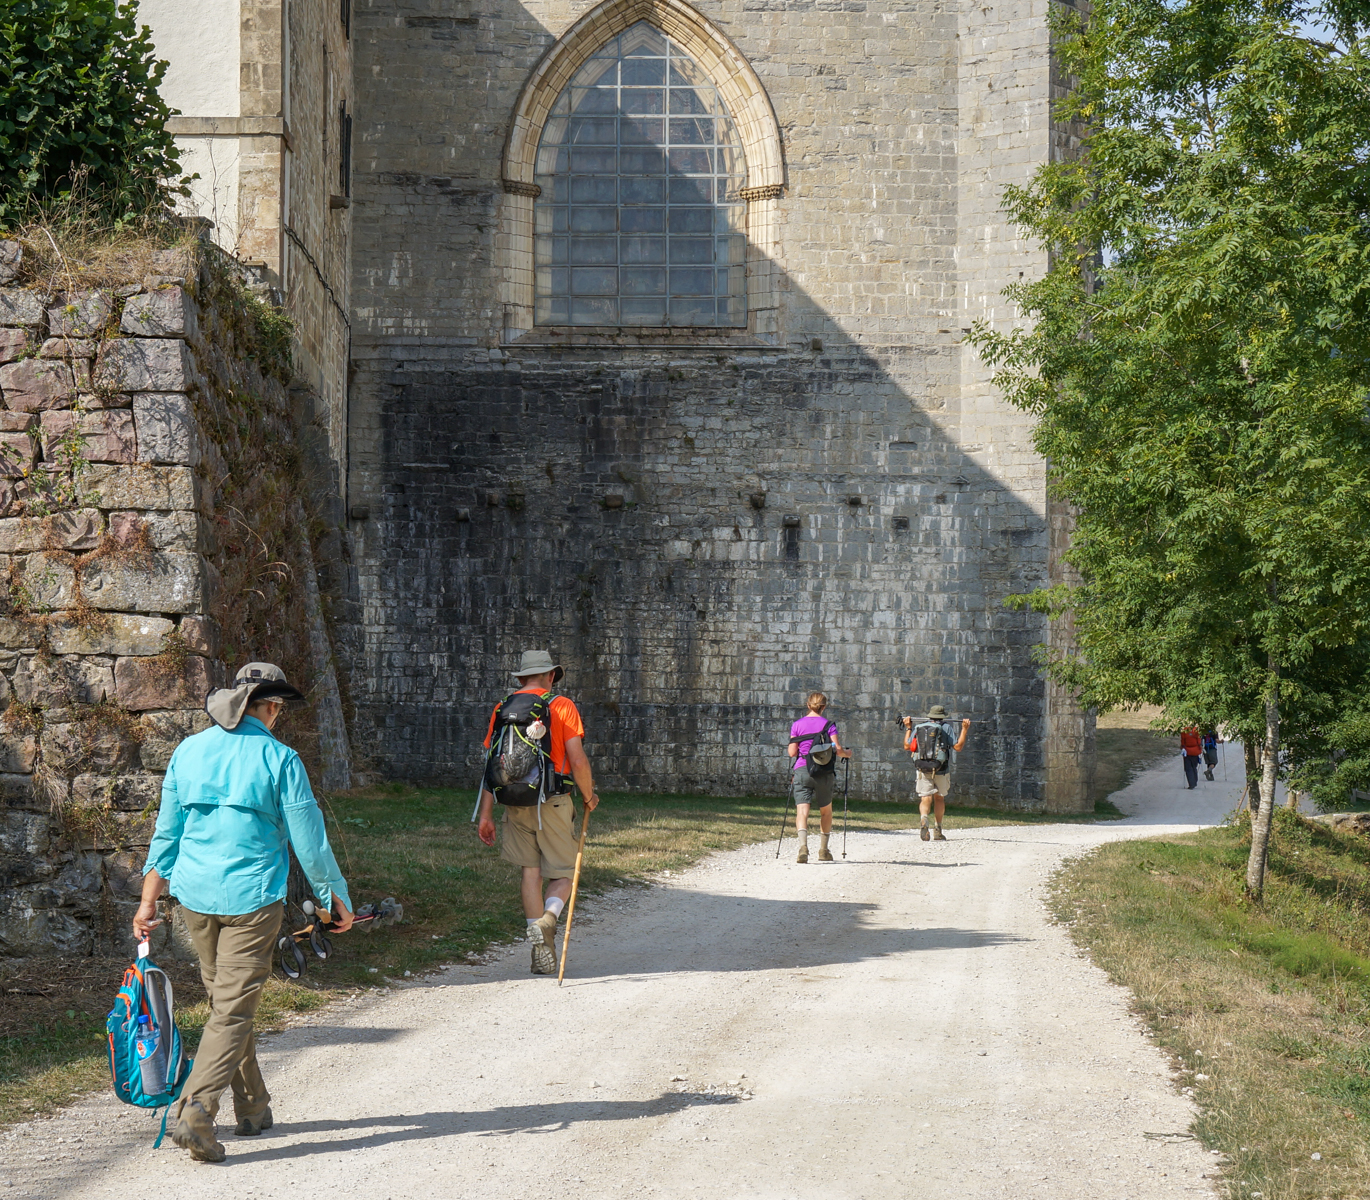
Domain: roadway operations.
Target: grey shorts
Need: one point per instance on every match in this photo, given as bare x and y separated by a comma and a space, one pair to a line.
815, 791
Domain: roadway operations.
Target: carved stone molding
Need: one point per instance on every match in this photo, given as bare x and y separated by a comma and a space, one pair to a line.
515, 188
767, 191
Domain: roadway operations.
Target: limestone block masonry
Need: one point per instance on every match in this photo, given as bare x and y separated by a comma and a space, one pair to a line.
704, 525
109, 538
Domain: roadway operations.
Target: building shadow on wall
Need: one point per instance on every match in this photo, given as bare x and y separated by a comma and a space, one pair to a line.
702, 526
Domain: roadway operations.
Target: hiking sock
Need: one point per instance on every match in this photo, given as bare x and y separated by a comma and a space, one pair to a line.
554, 905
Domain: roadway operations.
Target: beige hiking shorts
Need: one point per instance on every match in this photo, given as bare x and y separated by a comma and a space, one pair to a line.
553, 847
934, 785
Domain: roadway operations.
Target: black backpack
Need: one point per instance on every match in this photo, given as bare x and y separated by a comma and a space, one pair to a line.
822, 753
931, 748
518, 767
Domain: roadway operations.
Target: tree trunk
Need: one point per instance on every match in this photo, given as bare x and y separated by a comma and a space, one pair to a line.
1253, 776
1270, 769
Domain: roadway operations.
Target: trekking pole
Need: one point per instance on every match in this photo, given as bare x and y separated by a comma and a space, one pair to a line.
785, 816
846, 781
575, 887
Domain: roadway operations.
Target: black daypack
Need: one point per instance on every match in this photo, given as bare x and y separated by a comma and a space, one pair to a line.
931, 748
518, 767
822, 753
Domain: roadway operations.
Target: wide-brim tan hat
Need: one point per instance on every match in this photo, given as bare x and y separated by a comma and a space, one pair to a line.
937, 713
538, 662
256, 681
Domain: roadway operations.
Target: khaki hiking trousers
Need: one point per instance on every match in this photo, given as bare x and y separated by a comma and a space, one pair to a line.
235, 961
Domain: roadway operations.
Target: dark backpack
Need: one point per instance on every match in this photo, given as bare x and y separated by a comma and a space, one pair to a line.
518, 767
931, 748
821, 757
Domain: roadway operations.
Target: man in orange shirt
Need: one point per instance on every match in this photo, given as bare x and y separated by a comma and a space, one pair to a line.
1191, 746
533, 755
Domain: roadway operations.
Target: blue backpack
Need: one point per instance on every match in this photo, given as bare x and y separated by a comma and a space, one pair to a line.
146, 1059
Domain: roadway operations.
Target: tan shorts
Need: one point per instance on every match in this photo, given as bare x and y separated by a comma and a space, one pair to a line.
934, 785
553, 847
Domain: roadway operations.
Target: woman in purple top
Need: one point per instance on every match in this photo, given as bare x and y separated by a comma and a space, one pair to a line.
810, 789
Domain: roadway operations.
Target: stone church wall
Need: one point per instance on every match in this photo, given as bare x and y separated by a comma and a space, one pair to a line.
704, 527
151, 528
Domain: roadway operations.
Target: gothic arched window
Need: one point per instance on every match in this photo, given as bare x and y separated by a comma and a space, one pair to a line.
639, 220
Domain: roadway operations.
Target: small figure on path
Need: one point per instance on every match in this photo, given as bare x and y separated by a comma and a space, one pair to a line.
1210, 745
1191, 747
933, 748
232, 799
535, 748
815, 750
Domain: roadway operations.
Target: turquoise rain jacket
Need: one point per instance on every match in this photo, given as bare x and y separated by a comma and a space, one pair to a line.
231, 801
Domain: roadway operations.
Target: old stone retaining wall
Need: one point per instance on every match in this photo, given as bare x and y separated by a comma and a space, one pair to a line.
151, 524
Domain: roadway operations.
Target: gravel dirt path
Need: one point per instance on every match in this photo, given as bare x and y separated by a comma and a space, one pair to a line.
907, 1023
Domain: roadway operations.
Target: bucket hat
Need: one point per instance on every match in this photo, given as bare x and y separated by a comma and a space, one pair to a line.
538, 662
255, 681
937, 713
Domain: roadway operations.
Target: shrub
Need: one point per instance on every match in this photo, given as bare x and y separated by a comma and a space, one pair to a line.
79, 108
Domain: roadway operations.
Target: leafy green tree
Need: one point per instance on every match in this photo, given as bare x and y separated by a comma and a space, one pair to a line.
79, 107
1199, 363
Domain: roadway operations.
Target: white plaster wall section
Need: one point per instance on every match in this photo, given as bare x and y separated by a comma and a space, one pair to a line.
215, 193
201, 44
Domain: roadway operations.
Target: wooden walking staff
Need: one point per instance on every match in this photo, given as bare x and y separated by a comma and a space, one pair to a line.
575, 886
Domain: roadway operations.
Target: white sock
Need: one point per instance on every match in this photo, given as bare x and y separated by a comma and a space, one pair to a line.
554, 905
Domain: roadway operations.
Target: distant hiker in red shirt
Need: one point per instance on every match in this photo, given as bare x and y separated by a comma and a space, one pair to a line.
535, 748
1192, 747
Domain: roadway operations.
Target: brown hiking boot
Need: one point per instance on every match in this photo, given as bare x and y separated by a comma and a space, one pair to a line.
196, 1134
803, 855
824, 854
923, 832
252, 1126
542, 933
939, 836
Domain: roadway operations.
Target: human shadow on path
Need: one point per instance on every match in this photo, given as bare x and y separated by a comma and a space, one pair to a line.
503, 1121
705, 931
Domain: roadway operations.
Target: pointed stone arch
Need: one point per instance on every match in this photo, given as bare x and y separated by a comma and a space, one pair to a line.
738, 86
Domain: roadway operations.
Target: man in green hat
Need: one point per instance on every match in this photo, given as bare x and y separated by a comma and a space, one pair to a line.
934, 745
232, 800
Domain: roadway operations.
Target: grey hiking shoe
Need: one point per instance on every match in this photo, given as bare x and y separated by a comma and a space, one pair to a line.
923, 832
542, 934
197, 1134
252, 1126
939, 836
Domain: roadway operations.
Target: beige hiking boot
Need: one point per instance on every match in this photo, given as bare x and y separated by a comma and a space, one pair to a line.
923, 832
194, 1131
803, 855
252, 1126
824, 854
939, 836
542, 933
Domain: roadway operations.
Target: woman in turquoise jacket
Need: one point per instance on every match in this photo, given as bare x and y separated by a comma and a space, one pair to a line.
232, 800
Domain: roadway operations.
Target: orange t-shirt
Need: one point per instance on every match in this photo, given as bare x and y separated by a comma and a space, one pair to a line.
565, 723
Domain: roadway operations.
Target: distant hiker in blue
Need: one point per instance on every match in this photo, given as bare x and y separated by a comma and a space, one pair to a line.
232, 800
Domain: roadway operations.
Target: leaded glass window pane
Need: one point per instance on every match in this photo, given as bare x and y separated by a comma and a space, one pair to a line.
639, 221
